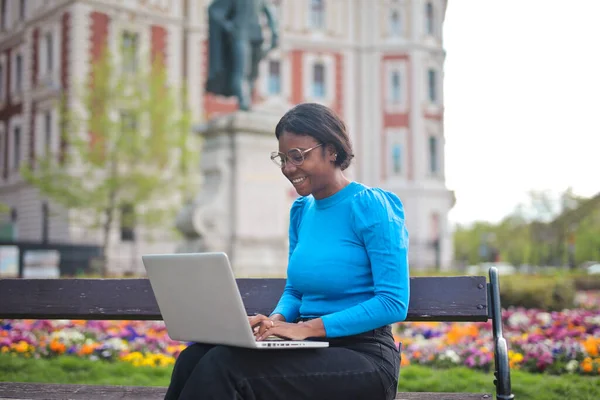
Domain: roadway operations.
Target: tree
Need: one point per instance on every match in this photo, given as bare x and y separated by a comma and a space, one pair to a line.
129, 150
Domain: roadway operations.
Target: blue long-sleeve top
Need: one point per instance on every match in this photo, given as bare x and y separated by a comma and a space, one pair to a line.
348, 261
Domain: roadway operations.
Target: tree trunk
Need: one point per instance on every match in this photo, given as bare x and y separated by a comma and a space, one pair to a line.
109, 212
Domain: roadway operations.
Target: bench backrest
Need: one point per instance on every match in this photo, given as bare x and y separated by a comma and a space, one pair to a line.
461, 298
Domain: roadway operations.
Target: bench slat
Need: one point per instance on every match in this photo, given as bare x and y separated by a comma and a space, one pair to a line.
432, 298
93, 392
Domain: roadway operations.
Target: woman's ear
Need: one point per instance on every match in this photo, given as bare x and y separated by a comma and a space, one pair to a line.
331, 153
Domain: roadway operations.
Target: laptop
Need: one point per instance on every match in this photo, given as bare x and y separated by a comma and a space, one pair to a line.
199, 300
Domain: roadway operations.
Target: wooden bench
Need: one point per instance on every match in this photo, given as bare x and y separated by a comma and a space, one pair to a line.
465, 298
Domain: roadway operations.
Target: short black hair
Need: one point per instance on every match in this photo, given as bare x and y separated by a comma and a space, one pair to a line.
321, 123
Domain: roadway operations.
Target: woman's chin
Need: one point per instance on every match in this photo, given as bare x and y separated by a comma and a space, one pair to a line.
303, 190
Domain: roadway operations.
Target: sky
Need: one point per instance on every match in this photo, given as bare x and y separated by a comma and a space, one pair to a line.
522, 107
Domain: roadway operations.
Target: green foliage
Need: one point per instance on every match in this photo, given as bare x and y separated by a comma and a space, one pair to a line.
129, 147
587, 282
553, 293
527, 236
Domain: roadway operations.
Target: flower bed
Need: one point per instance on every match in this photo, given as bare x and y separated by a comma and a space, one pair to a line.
558, 342
137, 342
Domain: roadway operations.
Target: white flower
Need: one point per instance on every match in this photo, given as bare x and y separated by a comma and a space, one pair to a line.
544, 318
450, 355
518, 319
572, 366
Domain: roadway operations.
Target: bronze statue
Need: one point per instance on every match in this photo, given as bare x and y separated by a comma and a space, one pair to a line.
235, 47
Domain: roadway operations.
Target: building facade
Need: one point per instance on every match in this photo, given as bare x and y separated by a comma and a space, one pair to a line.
378, 63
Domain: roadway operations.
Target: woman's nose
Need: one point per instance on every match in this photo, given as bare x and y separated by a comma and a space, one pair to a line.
288, 168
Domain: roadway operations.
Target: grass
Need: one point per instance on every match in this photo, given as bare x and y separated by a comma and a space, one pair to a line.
69, 369
524, 385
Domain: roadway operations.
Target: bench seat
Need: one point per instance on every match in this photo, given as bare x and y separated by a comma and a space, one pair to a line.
16, 390
458, 298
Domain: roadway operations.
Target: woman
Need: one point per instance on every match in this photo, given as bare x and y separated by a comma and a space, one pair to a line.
348, 280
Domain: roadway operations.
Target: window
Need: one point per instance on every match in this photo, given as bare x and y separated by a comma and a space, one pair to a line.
429, 19
396, 88
16, 147
127, 222
129, 43
395, 24
45, 222
274, 77
48, 131
22, 10
319, 80
397, 159
433, 155
3, 15
19, 72
317, 14
432, 85
1, 82
49, 43
128, 122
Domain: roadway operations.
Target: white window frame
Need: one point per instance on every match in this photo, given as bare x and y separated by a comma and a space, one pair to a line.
3, 144
434, 24
308, 62
400, 67
262, 85
119, 26
15, 93
433, 107
9, 21
439, 173
310, 20
4, 78
50, 78
14, 122
40, 128
402, 20
397, 136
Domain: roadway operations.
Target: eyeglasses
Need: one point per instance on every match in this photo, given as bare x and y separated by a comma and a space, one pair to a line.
295, 156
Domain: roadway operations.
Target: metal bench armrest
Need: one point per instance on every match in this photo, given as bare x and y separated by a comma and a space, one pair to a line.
502, 371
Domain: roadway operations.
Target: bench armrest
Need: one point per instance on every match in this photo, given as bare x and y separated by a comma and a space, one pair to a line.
502, 372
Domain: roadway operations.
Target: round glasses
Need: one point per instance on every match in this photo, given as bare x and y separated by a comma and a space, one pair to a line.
295, 156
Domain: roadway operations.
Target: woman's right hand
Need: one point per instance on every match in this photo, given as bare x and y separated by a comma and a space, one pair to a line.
260, 323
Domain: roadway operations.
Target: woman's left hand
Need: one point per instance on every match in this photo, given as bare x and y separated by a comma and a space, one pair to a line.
292, 331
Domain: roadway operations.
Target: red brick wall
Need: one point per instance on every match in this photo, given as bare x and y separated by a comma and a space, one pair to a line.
34, 56
98, 39
64, 73
158, 43
297, 84
338, 105
99, 34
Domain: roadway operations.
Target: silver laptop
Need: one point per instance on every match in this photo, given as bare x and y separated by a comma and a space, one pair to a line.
200, 302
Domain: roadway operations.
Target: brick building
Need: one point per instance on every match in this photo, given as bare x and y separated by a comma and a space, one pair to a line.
378, 63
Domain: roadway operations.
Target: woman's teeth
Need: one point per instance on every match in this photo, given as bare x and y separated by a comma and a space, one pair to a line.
298, 180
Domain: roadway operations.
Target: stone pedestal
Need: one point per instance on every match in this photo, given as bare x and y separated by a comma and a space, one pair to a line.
243, 206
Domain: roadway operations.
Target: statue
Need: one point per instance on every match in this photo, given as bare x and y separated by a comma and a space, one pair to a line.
235, 47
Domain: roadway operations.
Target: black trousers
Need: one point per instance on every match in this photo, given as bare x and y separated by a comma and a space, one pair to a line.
364, 366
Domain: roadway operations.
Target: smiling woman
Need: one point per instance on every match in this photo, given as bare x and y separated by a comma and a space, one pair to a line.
348, 281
